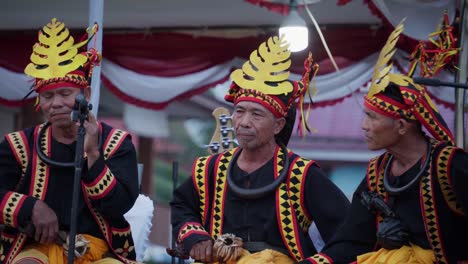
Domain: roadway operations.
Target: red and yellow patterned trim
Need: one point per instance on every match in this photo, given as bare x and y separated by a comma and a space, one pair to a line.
430, 217
20, 147
287, 220
113, 142
320, 258
296, 186
70, 80
273, 103
103, 225
17, 245
375, 172
429, 118
388, 107
10, 206
199, 178
443, 175
190, 228
40, 170
9, 239
108, 232
217, 216
121, 231
40, 177
371, 175
102, 185
106, 181
19, 144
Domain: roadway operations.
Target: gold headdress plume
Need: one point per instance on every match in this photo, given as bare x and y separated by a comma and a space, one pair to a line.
267, 70
382, 75
56, 54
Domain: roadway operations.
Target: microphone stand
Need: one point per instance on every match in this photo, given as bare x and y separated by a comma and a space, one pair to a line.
80, 113
436, 82
175, 173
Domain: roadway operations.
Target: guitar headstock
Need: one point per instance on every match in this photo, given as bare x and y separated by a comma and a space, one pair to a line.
223, 137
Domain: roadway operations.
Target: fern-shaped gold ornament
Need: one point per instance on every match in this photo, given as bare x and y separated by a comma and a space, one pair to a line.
381, 77
267, 69
56, 54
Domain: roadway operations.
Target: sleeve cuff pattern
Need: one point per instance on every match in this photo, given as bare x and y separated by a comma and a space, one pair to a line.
102, 185
320, 258
189, 229
11, 205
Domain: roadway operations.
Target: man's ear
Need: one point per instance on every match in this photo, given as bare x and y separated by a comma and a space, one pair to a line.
403, 126
279, 124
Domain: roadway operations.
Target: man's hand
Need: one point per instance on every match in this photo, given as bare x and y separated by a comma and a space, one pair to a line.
45, 223
202, 251
91, 139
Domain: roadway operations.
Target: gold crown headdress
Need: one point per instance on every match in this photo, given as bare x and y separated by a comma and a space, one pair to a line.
55, 60
264, 79
267, 70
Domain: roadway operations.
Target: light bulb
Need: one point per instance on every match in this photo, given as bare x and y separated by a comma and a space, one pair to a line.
295, 32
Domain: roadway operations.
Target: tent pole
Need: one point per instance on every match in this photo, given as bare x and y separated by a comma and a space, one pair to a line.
461, 77
96, 11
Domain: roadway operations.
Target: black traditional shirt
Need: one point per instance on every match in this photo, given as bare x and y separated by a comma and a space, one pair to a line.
110, 186
434, 220
257, 220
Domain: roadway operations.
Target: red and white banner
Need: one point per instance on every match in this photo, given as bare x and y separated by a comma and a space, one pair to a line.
150, 71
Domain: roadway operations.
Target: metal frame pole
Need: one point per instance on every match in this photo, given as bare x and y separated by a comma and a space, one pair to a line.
96, 13
461, 77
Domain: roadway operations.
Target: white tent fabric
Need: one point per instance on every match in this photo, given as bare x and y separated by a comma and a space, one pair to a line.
160, 89
421, 16
14, 85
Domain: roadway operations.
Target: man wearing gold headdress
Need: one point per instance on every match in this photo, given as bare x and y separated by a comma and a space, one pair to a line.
260, 192
411, 207
37, 168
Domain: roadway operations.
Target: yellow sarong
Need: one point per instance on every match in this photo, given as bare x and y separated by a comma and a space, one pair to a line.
53, 253
407, 254
266, 256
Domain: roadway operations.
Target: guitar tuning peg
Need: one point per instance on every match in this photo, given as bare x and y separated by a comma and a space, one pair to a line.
214, 147
226, 142
220, 141
223, 119
225, 130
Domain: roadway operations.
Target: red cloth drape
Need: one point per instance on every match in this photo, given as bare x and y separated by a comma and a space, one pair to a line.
167, 54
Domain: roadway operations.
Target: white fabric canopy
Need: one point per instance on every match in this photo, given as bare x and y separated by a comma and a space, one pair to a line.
160, 89
421, 16
14, 86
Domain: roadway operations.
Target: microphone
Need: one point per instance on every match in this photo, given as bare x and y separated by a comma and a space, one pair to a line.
436, 82
81, 104
81, 108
